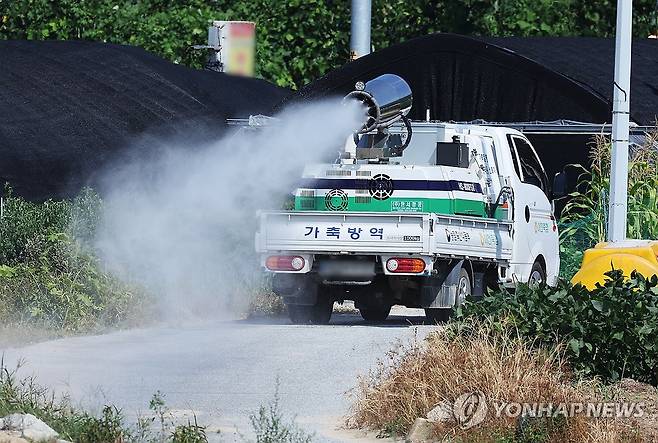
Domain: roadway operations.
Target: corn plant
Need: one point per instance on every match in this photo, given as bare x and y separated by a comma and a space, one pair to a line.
585, 217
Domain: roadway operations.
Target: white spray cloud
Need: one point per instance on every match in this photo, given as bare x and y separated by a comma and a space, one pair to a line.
182, 224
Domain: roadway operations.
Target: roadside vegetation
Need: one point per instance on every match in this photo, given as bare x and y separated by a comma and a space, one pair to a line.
270, 425
24, 395
264, 302
609, 332
560, 344
542, 344
584, 218
53, 283
50, 279
494, 359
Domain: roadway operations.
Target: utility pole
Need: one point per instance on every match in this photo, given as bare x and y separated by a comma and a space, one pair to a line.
617, 217
360, 32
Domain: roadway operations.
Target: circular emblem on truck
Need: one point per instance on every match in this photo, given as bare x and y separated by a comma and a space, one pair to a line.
380, 186
336, 200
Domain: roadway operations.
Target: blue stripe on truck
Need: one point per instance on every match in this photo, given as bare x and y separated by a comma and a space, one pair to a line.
398, 185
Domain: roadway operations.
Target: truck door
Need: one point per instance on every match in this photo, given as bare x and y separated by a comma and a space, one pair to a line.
535, 228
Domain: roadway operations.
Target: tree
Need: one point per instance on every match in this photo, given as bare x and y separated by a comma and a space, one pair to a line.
300, 40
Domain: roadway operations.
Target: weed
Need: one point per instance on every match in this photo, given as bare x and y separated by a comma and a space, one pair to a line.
392, 429
189, 433
108, 427
269, 424
158, 406
24, 395
468, 357
263, 301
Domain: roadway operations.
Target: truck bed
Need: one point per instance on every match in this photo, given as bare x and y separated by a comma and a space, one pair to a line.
384, 233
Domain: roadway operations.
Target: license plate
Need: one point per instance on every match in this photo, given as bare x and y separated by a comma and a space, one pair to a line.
346, 268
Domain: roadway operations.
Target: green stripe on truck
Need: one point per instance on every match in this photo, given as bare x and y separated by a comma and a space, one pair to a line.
368, 204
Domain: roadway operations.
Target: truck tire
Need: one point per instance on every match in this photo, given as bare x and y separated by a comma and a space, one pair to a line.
537, 275
317, 314
464, 290
375, 314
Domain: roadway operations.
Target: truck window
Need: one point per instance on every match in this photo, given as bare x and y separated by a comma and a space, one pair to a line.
531, 168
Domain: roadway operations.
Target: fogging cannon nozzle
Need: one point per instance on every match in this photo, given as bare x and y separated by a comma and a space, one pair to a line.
387, 99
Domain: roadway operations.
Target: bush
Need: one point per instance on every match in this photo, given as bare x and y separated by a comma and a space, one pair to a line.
50, 277
610, 332
263, 301
23, 221
477, 357
62, 287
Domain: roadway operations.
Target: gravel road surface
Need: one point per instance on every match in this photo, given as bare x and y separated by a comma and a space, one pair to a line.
224, 371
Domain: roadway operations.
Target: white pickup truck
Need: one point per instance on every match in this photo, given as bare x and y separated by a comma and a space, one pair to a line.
422, 221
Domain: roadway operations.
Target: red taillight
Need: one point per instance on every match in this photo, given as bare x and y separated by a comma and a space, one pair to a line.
405, 265
285, 263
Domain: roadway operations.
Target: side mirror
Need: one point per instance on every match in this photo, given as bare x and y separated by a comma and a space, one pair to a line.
559, 189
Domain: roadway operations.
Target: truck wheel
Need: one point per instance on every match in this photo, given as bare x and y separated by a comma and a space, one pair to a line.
317, 314
375, 314
537, 275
